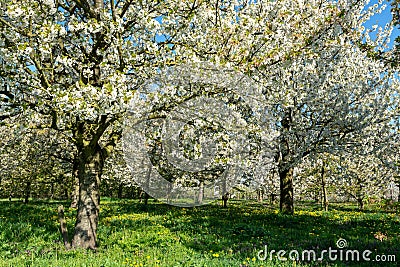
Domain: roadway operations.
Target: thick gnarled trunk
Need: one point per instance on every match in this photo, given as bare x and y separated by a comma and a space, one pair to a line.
285, 168
286, 190
89, 173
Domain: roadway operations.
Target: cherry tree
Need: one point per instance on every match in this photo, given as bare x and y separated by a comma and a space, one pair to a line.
116, 176
314, 178
34, 162
323, 87
363, 177
331, 98
76, 65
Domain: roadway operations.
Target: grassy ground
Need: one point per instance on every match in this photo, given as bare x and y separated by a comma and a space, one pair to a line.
131, 234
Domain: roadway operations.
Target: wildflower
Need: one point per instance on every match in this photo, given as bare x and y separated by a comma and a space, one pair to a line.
380, 236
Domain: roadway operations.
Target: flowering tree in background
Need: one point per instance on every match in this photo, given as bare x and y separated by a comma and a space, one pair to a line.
362, 178
324, 89
34, 162
316, 179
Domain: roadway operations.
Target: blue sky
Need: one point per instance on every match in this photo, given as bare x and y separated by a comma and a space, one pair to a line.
381, 20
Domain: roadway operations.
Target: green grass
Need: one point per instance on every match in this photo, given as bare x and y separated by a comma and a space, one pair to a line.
131, 234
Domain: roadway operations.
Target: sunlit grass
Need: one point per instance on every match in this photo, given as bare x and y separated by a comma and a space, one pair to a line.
131, 234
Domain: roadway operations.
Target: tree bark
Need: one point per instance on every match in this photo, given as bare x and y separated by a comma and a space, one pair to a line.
324, 194
89, 173
141, 194
359, 194
260, 195
285, 169
75, 190
27, 192
398, 197
146, 198
225, 198
52, 191
272, 197
360, 203
286, 190
120, 188
199, 199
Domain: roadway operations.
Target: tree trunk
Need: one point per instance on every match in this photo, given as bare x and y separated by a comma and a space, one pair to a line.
146, 198
285, 170
141, 194
120, 188
200, 195
398, 197
324, 195
66, 193
360, 203
260, 195
286, 204
225, 198
75, 190
27, 192
52, 191
359, 194
89, 173
132, 192
272, 197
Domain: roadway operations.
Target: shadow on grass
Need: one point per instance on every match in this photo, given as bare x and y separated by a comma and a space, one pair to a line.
244, 229
240, 230
28, 228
